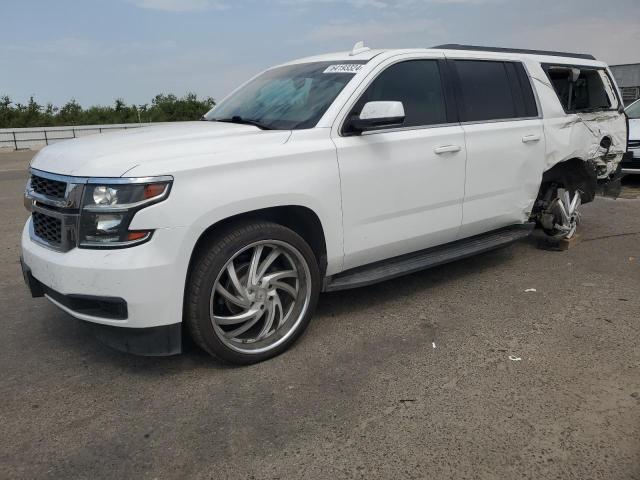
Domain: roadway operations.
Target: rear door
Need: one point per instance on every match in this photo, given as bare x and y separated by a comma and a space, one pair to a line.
504, 140
402, 188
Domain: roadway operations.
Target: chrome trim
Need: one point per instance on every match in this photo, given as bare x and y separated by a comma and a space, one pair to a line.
127, 180
69, 229
106, 246
440, 125
72, 200
631, 171
58, 177
100, 180
499, 120
404, 129
72, 194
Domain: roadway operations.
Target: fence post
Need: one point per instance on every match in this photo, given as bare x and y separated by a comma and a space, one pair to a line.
74, 132
100, 130
15, 142
46, 140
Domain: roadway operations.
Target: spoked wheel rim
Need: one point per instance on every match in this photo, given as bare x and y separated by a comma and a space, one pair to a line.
566, 214
260, 296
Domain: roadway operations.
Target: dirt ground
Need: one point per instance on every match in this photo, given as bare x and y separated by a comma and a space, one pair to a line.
455, 372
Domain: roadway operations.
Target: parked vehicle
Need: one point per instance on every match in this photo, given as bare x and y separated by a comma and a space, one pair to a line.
631, 162
326, 173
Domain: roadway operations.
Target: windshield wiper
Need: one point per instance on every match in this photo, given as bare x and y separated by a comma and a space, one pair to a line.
243, 121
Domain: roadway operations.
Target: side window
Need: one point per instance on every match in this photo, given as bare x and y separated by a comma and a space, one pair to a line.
580, 89
530, 106
492, 90
415, 83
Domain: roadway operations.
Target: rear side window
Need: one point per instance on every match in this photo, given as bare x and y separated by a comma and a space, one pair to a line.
492, 90
415, 83
581, 89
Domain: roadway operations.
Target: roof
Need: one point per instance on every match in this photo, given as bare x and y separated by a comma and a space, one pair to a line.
546, 53
453, 50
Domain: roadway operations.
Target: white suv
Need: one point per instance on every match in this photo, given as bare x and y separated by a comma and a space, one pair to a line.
325, 173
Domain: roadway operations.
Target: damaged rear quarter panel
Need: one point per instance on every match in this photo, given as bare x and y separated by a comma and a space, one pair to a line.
578, 135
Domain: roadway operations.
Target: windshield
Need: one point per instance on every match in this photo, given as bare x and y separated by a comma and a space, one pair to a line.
287, 98
633, 110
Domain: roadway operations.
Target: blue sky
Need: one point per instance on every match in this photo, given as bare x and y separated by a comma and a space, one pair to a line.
99, 50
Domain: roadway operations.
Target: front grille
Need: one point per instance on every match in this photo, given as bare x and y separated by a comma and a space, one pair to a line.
50, 188
634, 143
47, 228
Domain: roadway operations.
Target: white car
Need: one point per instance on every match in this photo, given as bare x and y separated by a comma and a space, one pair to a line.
326, 173
631, 162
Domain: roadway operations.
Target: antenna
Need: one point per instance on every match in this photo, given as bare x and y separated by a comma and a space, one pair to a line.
359, 48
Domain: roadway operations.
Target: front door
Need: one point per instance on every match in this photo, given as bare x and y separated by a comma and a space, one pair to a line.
402, 188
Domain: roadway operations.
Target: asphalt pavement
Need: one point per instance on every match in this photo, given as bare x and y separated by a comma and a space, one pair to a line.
453, 373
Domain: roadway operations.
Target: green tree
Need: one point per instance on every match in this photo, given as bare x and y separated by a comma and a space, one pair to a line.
163, 108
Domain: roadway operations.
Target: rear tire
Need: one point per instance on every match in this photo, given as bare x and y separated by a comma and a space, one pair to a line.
251, 292
564, 214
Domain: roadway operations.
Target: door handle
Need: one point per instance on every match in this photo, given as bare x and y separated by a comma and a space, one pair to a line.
447, 149
530, 138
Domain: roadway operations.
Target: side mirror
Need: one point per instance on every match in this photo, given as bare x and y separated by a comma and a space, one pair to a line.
376, 115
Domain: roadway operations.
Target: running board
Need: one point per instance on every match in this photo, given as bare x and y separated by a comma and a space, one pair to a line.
432, 257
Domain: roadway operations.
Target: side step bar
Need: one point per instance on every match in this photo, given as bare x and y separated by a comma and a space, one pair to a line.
431, 257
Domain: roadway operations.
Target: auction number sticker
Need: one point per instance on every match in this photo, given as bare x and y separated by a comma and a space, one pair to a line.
344, 68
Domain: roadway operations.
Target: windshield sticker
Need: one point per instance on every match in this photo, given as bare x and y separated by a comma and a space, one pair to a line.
344, 68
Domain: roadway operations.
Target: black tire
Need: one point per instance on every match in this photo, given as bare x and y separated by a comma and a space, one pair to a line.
208, 265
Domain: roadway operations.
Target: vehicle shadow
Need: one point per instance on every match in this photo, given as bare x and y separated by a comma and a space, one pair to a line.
78, 336
346, 301
630, 187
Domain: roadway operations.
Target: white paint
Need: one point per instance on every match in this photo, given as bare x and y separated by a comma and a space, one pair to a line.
381, 110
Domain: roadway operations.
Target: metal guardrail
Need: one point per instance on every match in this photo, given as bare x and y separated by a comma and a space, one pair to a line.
17, 137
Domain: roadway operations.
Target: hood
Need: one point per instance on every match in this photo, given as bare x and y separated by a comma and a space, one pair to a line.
634, 129
113, 154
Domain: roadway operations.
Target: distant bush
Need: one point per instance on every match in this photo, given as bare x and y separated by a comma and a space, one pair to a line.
163, 108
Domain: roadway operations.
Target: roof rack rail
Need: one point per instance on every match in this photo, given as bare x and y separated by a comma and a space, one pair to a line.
456, 46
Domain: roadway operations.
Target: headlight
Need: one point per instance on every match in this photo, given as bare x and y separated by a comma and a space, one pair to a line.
108, 208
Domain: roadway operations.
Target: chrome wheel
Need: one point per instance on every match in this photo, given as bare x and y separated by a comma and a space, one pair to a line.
565, 212
260, 296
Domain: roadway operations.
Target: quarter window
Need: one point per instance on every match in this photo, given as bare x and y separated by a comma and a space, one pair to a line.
415, 83
581, 89
491, 90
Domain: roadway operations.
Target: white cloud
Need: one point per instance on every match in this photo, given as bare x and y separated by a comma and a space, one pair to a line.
610, 40
382, 34
180, 5
76, 47
387, 4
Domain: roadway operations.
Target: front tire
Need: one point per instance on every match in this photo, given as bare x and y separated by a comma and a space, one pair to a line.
251, 292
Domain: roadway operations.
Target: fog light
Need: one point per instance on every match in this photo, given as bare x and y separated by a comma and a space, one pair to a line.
108, 224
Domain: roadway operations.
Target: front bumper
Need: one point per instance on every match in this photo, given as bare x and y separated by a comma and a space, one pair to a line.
631, 162
133, 290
